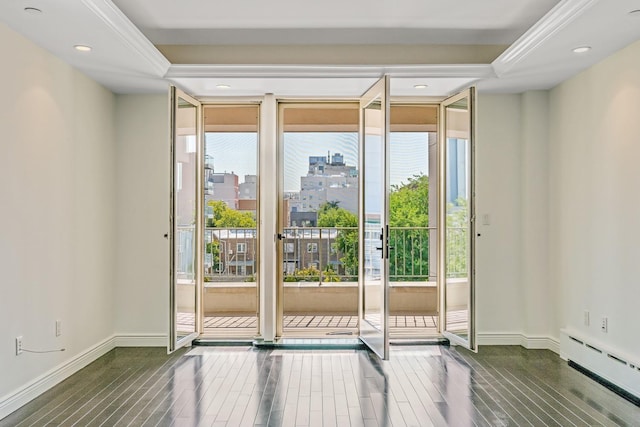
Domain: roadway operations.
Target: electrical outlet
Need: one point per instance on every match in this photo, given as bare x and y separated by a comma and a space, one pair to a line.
18, 345
586, 318
605, 325
58, 328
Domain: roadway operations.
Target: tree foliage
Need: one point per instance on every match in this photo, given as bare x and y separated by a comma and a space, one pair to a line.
312, 274
409, 203
346, 243
225, 217
457, 238
213, 248
336, 217
409, 207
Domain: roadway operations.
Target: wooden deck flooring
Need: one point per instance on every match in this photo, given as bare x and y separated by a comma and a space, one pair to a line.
244, 386
243, 326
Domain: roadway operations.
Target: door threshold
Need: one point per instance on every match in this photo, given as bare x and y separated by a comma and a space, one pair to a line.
224, 342
311, 344
419, 341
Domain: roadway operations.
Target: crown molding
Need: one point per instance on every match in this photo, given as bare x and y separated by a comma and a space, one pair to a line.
557, 18
129, 33
329, 71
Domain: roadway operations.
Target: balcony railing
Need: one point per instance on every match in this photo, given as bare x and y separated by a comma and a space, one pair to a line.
321, 254
230, 254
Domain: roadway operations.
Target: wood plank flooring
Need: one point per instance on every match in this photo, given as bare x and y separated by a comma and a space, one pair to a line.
313, 325
244, 386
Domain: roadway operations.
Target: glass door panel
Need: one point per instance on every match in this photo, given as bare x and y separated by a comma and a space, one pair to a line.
374, 230
185, 154
413, 178
318, 224
457, 233
230, 289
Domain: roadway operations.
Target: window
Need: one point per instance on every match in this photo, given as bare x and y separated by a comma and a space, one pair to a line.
288, 248
241, 248
312, 248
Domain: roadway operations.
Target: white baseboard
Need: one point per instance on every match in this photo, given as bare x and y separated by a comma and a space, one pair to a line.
138, 340
44, 382
35, 388
545, 343
499, 339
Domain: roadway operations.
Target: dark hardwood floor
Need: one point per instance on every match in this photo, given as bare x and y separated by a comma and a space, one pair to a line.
419, 386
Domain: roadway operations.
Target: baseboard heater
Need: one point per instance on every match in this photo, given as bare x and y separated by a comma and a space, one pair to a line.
610, 368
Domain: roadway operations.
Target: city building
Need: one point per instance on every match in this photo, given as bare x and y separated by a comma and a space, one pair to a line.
222, 186
329, 180
247, 189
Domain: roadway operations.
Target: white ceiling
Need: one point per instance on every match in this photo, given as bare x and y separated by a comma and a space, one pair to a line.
334, 21
540, 35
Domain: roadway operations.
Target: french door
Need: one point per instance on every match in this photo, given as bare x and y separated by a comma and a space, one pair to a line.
373, 221
186, 220
455, 220
457, 230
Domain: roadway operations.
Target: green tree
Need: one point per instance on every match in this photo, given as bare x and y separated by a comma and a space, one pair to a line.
346, 243
409, 207
336, 217
457, 238
213, 248
409, 203
225, 217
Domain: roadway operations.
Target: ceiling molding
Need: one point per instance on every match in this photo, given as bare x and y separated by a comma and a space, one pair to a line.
320, 71
559, 17
129, 33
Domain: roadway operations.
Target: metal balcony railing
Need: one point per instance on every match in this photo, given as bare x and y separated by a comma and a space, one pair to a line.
321, 254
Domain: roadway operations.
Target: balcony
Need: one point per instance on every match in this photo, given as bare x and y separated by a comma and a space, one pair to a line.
320, 282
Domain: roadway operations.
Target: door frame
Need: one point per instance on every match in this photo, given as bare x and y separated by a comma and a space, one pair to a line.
369, 334
270, 146
174, 343
471, 341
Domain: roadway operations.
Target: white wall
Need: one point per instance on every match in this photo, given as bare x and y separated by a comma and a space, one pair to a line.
595, 199
498, 285
57, 190
142, 283
558, 173
539, 305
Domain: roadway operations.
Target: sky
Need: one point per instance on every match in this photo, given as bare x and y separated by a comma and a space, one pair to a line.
237, 153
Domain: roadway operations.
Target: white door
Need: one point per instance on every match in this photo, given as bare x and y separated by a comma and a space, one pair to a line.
458, 211
186, 219
373, 221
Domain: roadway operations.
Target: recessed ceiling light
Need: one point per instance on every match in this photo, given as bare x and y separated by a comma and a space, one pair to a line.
635, 13
223, 86
32, 10
420, 86
82, 48
582, 49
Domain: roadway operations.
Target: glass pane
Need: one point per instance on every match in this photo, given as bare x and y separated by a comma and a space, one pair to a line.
374, 215
185, 194
413, 296
457, 233
230, 297
320, 220
374, 283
